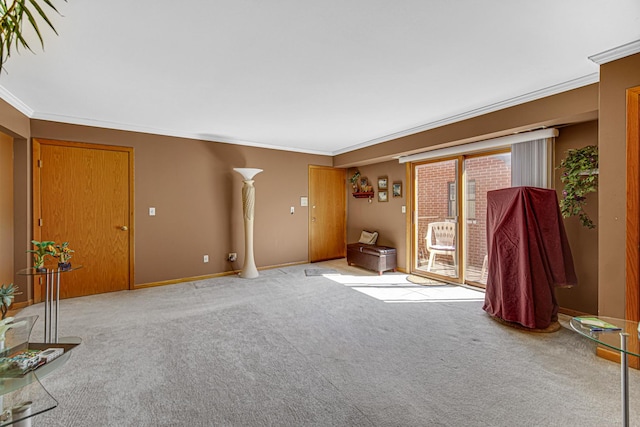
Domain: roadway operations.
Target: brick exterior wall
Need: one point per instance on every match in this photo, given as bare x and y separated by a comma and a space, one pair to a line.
488, 173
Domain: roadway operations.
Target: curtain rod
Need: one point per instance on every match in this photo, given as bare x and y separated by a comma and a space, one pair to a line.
503, 141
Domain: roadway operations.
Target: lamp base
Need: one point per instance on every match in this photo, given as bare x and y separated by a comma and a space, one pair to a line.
249, 274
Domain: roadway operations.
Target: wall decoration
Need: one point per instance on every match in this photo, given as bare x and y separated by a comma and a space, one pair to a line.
382, 196
397, 189
363, 184
383, 183
354, 180
580, 177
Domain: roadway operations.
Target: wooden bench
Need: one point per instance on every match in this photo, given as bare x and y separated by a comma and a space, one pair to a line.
372, 257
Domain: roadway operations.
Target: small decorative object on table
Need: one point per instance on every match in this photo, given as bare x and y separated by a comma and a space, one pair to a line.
43, 249
596, 325
64, 255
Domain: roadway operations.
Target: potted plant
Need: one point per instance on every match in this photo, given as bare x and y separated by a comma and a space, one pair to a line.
7, 293
580, 177
354, 180
42, 249
64, 255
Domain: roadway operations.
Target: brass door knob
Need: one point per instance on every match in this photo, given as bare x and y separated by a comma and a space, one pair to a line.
124, 228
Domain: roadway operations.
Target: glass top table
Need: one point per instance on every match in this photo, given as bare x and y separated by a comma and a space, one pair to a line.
616, 340
23, 396
31, 271
609, 339
51, 296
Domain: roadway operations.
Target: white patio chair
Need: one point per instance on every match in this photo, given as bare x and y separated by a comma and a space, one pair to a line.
441, 240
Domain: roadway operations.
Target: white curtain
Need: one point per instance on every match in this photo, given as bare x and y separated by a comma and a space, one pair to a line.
532, 163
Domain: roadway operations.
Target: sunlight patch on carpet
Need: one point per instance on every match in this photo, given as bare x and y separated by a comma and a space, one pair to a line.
395, 288
448, 293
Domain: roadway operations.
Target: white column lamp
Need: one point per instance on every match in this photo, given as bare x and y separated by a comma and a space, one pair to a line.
249, 270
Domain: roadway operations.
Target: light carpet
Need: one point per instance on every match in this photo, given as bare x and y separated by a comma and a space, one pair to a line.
286, 349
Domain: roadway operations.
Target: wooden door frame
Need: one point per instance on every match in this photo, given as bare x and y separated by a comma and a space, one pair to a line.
632, 259
632, 299
37, 208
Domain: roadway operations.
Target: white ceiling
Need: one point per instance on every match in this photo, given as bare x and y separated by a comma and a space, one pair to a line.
313, 76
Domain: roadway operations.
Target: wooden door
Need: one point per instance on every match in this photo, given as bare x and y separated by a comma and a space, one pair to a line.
327, 213
83, 194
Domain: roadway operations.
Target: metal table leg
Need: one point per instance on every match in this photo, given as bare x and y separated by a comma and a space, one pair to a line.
624, 378
57, 304
51, 305
47, 304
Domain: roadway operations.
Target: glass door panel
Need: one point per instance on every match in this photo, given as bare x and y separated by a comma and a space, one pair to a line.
436, 218
481, 174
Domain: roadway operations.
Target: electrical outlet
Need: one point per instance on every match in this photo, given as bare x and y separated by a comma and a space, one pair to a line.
206, 258
232, 257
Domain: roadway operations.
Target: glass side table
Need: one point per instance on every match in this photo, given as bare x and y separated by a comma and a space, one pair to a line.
22, 396
615, 340
51, 299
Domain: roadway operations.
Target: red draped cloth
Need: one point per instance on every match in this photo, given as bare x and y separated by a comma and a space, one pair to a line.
529, 255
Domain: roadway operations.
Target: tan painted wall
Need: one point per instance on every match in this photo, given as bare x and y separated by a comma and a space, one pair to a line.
384, 217
15, 126
615, 78
574, 106
6, 209
583, 241
197, 197
578, 105
12, 121
214, 191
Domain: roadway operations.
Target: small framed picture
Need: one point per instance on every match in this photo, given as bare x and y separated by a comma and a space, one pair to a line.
382, 196
383, 183
397, 189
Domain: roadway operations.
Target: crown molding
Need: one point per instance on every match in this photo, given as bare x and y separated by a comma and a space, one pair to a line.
15, 102
622, 51
532, 96
165, 132
511, 102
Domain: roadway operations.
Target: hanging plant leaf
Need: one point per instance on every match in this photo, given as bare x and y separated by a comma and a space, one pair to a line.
580, 177
12, 22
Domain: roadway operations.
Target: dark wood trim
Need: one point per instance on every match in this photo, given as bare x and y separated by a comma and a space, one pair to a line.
632, 305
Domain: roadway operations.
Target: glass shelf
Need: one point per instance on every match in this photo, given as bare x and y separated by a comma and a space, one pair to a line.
610, 338
25, 390
31, 271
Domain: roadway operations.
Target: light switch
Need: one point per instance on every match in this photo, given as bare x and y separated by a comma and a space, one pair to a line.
152, 211
404, 209
292, 210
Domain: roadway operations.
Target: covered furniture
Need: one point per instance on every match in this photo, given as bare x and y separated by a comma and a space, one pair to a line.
529, 255
372, 257
441, 240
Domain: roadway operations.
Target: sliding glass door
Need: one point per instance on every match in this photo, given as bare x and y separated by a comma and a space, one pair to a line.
482, 173
450, 220
436, 218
